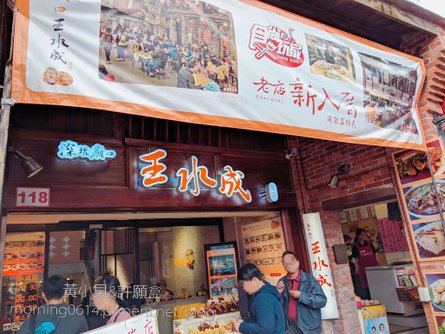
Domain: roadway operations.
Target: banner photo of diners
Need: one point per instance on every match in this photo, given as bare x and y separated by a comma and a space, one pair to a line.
239, 64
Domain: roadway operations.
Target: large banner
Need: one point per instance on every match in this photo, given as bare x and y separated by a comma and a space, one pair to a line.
240, 64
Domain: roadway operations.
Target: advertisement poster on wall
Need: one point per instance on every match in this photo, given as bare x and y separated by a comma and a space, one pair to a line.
415, 171
222, 268
226, 62
422, 197
430, 239
413, 167
375, 319
436, 287
422, 200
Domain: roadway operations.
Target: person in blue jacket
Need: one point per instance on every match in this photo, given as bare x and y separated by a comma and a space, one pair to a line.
266, 314
303, 298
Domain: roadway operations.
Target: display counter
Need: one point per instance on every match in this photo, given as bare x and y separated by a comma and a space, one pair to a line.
386, 284
165, 311
217, 324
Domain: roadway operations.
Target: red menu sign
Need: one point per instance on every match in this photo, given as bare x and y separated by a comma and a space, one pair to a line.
393, 237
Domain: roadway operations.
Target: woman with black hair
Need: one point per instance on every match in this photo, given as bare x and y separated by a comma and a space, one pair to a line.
363, 256
266, 312
105, 298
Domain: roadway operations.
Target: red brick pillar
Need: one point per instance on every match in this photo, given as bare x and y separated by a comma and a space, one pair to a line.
344, 289
309, 200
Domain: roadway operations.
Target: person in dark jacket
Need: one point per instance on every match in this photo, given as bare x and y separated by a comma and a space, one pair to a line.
55, 317
185, 77
266, 313
303, 298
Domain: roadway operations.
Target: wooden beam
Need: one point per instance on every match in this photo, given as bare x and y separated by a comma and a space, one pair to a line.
10, 4
420, 11
366, 197
339, 21
399, 14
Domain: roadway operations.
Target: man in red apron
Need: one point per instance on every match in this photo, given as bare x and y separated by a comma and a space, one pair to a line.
363, 254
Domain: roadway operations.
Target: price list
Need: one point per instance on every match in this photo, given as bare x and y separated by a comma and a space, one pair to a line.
26, 296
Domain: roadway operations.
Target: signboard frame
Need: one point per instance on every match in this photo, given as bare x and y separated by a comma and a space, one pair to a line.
209, 250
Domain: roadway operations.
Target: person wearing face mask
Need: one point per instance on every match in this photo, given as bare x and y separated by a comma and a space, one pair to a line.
303, 298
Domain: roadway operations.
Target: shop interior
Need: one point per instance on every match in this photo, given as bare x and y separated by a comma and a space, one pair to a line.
161, 262
392, 281
161, 259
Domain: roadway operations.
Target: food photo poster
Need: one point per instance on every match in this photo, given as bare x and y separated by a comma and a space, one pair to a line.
413, 167
430, 239
436, 286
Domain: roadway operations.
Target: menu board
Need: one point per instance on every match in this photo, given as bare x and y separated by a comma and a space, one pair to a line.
393, 237
264, 244
26, 296
22, 276
25, 256
222, 268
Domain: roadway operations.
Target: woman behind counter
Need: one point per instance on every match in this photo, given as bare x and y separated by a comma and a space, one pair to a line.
266, 312
363, 256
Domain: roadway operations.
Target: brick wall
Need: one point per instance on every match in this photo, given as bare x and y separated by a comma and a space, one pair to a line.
348, 322
432, 51
312, 169
321, 159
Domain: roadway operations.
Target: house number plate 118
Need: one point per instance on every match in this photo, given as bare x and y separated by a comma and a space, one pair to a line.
32, 197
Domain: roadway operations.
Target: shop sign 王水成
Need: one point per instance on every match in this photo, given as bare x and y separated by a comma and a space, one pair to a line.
193, 179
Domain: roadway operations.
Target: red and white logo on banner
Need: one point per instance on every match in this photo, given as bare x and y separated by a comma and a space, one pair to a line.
275, 44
